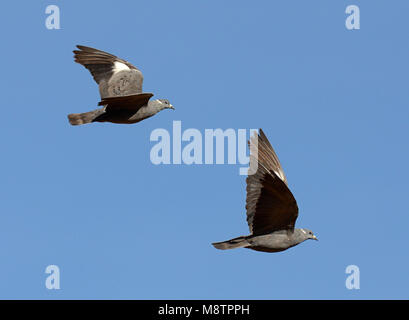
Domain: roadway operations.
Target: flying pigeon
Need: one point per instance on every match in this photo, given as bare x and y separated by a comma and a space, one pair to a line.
120, 87
271, 207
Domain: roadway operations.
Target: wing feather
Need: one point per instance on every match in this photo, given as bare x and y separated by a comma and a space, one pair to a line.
270, 204
103, 66
130, 102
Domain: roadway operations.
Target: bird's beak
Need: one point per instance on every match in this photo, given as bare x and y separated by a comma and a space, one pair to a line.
315, 238
171, 107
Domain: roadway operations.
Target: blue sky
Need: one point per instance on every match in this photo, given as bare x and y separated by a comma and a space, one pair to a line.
333, 103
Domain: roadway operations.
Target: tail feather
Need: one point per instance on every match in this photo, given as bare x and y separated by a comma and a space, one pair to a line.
239, 242
82, 118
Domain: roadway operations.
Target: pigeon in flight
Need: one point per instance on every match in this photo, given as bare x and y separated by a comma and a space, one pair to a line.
271, 207
120, 87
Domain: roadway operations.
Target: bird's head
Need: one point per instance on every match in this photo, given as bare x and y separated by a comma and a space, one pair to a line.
165, 104
308, 234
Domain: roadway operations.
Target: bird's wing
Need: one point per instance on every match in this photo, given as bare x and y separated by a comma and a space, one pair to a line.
268, 157
103, 66
130, 102
270, 204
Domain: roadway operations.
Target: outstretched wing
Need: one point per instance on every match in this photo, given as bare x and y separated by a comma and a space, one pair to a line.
115, 76
130, 102
270, 204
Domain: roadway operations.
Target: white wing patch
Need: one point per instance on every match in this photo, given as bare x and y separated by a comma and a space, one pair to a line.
119, 66
280, 175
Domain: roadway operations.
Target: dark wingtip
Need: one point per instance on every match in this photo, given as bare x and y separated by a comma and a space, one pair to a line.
77, 51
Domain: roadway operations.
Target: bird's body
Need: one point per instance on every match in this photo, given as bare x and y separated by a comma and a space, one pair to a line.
120, 88
147, 111
271, 207
271, 242
121, 116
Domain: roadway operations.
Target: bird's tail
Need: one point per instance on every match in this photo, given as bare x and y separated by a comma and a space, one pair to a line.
82, 118
239, 242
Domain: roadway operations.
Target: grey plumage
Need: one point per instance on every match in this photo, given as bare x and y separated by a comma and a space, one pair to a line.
271, 207
120, 87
